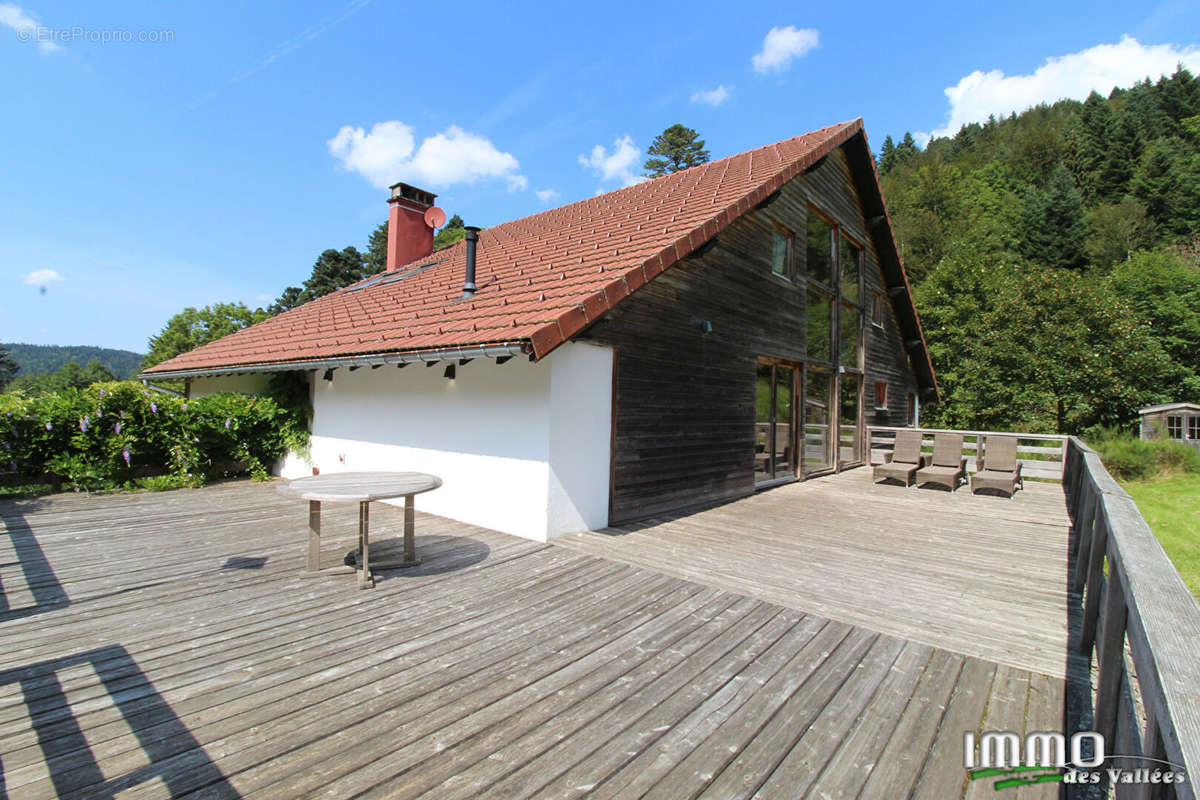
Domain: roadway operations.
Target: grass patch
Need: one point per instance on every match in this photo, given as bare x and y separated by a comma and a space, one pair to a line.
1171, 505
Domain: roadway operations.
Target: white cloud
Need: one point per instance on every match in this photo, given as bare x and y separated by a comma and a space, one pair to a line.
1099, 68
389, 153
713, 97
26, 27
781, 45
547, 195
42, 278
617, 165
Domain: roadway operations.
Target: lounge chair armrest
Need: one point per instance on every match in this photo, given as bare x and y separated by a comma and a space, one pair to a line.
963, 466
887, 457
926, 460
1018, 469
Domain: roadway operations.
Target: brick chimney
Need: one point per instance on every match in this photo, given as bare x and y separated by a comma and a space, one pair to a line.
409, 235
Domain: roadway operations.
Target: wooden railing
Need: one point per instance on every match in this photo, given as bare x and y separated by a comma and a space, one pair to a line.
1041, 455
1133, 595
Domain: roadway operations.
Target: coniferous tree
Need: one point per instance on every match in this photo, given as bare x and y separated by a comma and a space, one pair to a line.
887, 156
8, 368
453, 231
1052, 223
674, 149
376, 256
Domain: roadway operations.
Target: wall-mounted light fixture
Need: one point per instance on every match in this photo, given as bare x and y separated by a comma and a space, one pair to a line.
449, 373
329, 374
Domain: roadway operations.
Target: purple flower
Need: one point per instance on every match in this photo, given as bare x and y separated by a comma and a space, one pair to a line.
226, 423
184, 407
153, 408
12, 465
102, 393
117, 428
122, 413
83, 423
125, 455
48, 426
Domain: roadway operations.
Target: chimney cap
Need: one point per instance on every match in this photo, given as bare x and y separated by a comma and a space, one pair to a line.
413, 194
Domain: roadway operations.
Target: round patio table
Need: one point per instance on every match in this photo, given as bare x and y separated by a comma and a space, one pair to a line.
362, 488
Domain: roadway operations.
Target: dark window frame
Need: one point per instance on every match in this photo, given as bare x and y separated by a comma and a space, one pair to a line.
881, 391
789, 258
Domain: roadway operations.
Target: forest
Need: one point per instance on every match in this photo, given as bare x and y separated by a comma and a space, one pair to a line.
1055, 258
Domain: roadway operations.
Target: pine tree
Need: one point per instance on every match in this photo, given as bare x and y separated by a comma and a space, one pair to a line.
376, 257
1052, 221
8, 368
678, 148
454, 230
887, 156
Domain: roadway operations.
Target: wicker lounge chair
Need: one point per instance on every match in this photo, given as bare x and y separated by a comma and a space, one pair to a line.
904, 459
949, 467
998, 467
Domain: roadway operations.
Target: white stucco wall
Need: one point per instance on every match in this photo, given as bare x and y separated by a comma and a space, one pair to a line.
522, 448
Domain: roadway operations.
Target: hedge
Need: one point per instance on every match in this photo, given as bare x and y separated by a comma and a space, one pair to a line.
120, 434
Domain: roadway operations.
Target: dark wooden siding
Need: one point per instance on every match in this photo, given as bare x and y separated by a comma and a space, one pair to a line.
684, 399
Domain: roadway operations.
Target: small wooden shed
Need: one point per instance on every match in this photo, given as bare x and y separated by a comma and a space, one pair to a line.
1178, 421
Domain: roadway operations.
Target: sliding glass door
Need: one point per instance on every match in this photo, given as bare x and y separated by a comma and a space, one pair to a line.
818, 420
775, 445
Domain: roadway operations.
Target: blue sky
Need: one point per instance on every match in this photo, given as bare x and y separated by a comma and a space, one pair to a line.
207, 154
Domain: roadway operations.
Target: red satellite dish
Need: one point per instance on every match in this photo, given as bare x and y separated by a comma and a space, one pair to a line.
435, 217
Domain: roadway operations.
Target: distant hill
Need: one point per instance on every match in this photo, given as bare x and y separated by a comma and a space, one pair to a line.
35, 358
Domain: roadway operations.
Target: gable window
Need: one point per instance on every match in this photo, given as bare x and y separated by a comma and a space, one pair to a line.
781, 251
818, 250
881, 395
1175, 427
877, 311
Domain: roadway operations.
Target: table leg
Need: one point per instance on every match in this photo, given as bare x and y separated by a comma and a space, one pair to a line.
365, 579
410, 541
314, 535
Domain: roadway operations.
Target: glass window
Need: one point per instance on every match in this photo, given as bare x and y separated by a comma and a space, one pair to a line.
818, 439
851, 326
912, 409
880, 394
850, 261
818, 252
783, 421
820, 325
1194, 427
877, 311
762, 424
848, 434
780, 248
1175, 427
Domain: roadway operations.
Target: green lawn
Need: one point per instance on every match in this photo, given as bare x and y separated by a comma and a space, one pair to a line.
1172, 507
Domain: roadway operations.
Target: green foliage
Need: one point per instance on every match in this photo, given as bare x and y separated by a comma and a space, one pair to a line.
35, 358
1164, 292
8, 368
1039, 350
193, 327
676, 148
112, 434
1037, 245
376, 256
69, 376
332, 270
1052, 223
453, 231
1129, 458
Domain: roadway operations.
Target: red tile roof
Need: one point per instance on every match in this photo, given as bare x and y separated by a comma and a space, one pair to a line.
541, 278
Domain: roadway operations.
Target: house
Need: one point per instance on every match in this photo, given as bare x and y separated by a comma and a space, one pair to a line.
1177, 421
659, 348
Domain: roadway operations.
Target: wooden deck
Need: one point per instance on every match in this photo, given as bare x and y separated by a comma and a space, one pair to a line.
168, 645
985, 576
